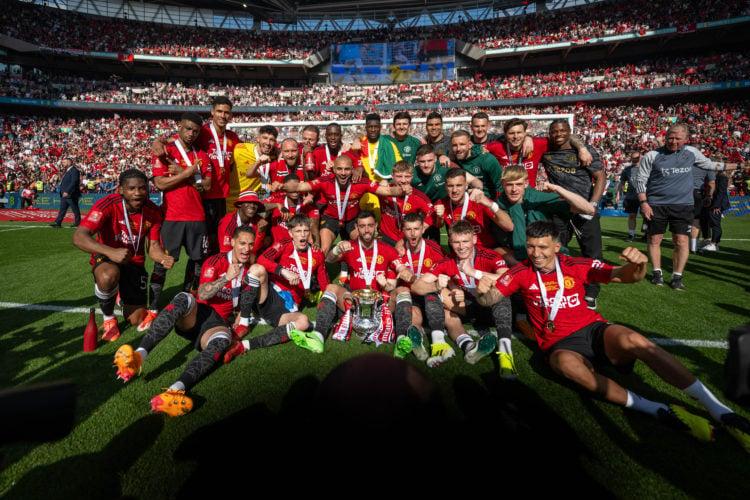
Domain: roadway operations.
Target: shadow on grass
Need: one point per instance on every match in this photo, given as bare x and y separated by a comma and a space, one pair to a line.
92, 475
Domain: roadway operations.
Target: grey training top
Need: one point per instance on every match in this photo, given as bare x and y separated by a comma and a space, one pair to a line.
667, 177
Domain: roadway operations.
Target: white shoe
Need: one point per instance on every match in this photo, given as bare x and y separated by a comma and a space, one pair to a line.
710, 248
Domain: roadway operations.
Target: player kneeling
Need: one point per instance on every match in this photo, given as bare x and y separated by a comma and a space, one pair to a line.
577, 340
204, 322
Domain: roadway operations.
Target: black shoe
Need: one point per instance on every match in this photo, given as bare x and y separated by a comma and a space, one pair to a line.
56, 226
630, 238
677, 283
590, 302
658, 279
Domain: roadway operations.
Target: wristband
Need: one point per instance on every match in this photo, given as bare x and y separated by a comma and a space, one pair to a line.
641, 202
494, 207
478, 275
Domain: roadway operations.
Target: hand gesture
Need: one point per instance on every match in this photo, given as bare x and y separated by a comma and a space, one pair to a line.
382, 280
406, 275
345, 246
476, 195
484, 285
458, 295
167, 262
633, 256
120, 255
584, 157
444, 161
263, 159
443, 281
357, 174
440, 211
406, 189
174, 168
233, 271
292, 278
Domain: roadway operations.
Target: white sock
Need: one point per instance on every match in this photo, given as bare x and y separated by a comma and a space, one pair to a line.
107, 318
463, 340
704, 396
177, 386
437, 336
244, 321
644, 405
693, 244
144, 353
503, 345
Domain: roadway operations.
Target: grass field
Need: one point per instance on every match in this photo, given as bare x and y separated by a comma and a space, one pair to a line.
251, 425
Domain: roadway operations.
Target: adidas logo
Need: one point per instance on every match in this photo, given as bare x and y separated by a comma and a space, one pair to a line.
533, 287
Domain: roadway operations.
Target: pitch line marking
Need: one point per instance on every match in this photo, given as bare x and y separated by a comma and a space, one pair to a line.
716, 344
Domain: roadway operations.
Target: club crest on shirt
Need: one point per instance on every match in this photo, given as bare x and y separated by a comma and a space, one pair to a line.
427, 263
569, 282
209, 273
95, 216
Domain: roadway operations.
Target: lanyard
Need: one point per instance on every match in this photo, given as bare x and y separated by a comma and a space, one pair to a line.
263, 169
373, 155
510, 155
328, 154
399, 218
184, 155
305, 277
136, 244
221, 152
341, 206
464, 209
236, 283
470, 283
555, 305
418, 270
296, 208
369, 274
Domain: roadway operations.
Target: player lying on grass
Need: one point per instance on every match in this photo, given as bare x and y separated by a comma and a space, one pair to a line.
205, 323
127, 226
578, 341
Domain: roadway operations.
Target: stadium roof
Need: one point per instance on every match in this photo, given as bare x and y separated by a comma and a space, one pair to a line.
381, 10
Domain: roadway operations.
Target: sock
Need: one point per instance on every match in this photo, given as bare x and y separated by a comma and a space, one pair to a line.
244, 321
464, 341
704, 396
502, 315
326, 314
504, 346
676, 275
143, 352
107, 300
644, 405
657, 270
693, 244
433, 311
156, 284
166, 319
437, 337
631, 232
248, 297
192, 275
278, 335
402, 314
200, 365
177, 386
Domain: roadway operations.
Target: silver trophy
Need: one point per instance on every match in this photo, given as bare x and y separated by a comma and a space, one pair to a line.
366, 312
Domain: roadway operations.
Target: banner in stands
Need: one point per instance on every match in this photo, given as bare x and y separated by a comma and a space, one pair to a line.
51, 201
384, 63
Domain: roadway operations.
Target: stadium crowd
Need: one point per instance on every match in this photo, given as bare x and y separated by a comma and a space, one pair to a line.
54, 28
646, 74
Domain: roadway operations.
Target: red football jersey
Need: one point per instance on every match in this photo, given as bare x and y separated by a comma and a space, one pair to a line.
229, 223
322, 155
394, 208
220, 175
327, 187
107, 218
227, 298
279, 229
485, 260
387, 262
572, 314
279, 169
281, 254
479, 216
420, 262
531, 162
183, 202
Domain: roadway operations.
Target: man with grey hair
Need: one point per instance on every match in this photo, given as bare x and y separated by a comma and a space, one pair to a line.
664, 183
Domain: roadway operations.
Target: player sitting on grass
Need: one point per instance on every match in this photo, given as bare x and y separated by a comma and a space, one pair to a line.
128, 225
205, 323
578, 341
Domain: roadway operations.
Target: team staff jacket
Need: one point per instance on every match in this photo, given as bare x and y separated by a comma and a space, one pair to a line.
227, 142
227, 298
573, 313
183, 202
485, 260
486, 168
108, 219
667, 176
505, 157
282, 254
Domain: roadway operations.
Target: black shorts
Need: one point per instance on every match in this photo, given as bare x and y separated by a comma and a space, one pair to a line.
273, 308
205, 319
589, 343
475, 314
678, 217
631, 205
216, 209
190, 234
133, 281
432, 233
332, 225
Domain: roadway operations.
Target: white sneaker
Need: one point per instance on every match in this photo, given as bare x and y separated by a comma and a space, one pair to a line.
710, 248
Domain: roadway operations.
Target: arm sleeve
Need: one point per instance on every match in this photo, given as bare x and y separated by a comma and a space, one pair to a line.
702, 162
269, 258
643, 172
